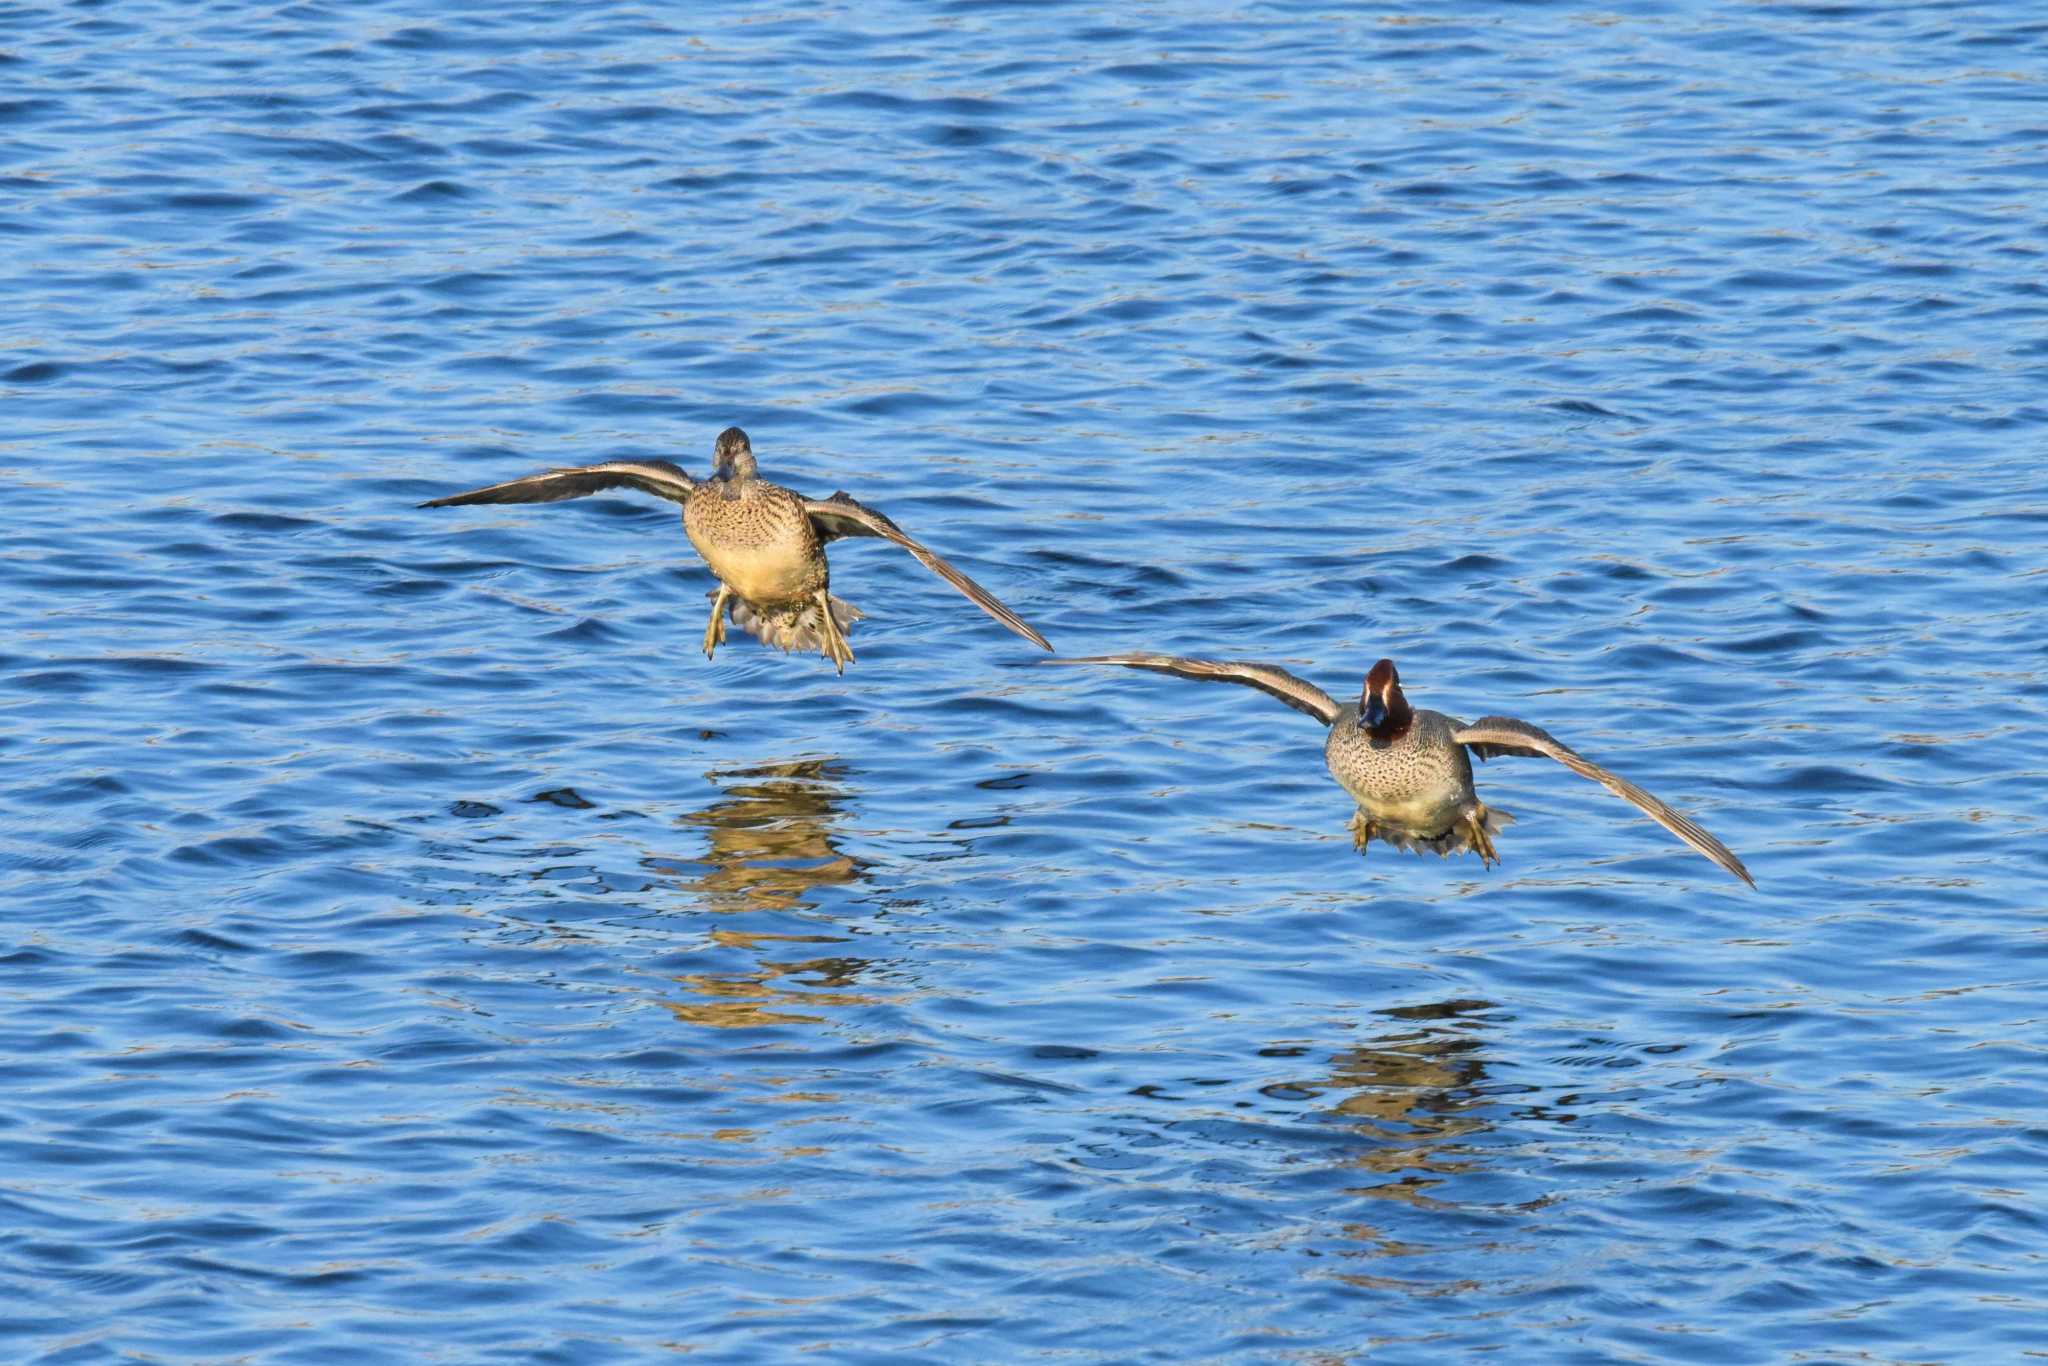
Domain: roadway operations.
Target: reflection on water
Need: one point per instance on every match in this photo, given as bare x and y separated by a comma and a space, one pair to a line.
771, 849
1416, 1084
771, 837
1419, 1093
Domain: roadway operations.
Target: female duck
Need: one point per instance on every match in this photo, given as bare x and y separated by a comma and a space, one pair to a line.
765, 543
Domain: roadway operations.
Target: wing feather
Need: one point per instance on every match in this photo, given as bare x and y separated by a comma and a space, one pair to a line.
1270, 679
662, 478
1492, 735
840, 516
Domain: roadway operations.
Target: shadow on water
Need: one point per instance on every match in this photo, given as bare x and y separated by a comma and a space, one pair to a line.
770, 852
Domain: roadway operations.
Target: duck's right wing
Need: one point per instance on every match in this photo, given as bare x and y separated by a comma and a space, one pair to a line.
1270, 679
662, 478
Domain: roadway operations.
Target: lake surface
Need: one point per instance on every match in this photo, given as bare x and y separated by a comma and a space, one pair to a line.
418, 951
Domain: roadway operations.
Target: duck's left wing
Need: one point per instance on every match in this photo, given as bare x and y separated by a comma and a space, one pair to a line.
839, 516
1491, 735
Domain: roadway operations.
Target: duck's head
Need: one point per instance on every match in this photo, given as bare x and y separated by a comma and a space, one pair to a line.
733, 456
1382, 711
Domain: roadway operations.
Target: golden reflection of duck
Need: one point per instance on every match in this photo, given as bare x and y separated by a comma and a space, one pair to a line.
771, 847
1414, 1086
744, 999
1418, 1092
771, 837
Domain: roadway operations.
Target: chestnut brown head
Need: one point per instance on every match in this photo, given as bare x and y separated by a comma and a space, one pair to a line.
1382, 710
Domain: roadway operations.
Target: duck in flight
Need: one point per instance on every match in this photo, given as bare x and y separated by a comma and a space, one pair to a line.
765, 543
1409, 770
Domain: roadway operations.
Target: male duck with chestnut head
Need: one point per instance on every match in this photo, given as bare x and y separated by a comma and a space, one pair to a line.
1410, 770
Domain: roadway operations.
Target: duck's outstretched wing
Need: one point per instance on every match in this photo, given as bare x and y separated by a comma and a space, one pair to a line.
1491, 735
839, 516
1270, 679
662, 478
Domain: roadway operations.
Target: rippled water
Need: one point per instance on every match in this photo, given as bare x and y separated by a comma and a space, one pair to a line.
419, 950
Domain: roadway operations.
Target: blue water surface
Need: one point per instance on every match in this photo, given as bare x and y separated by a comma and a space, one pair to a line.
417, 951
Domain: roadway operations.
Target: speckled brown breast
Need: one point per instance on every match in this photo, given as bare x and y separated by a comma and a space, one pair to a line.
1421, 781
760, 543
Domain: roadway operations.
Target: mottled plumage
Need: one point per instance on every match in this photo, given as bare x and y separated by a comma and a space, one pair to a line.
1410, 771
1416, 791
765, 543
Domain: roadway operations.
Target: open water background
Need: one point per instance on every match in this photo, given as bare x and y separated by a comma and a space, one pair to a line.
416, 950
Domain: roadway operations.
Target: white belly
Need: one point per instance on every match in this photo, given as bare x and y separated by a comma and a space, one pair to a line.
763, 573
1428, 813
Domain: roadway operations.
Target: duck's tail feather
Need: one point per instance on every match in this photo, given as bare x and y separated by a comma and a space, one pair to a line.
1456, 840
794, 627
